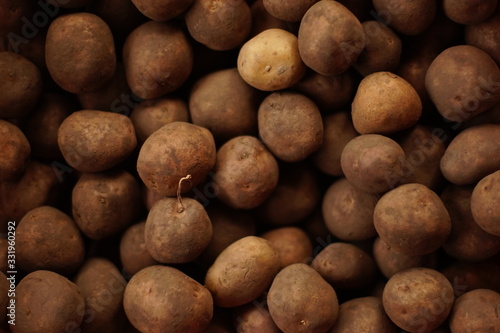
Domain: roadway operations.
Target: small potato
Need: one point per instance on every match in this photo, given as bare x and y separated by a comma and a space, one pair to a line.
469, 11
486, 35
300, 300
462, 82
42, 290
373, 163
384, 104
292, 243
484, 203
345, 266
15, 153
362, 315
220, 25
412, 219
478, 148
254, 318
290, 11
162, 10
174, 151
242, 272
476, 311
262, 20
348, 211
271, 61
466, 276
407, 17
246, 173
290, 125
133, 253
80, 62
418, 299
94, 141
157, 299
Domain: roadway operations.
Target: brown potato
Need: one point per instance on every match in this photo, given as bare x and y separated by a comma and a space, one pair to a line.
373, 162
348, 211
156, 299
242, 272
150, 73
21, 85
476, 147
292, 243
69, 3
300, 300
290, 11
484, 203
290, 125
133, 253
80, 62
245, 173
460, 94
469, 11
384, 104
163, 10
271, 61
486, 35
412, 219
15, 153
94, 141
105, 203
345, 266
407, 17
219, 25
254, 318
262, 20
466, 276
476, 311
330, 38
174, 151
42, 290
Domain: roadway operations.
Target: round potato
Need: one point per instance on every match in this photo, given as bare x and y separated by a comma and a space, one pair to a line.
254, 318
242, 272
484, 203
469, 11
407, 17
486, 35
292, 243
476, 311
162, 10
290, 11
134, 255
15, 153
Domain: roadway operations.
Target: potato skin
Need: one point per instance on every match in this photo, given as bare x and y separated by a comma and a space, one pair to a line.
254, 318
292, 243
469, 12
161, 298
299, 300
476, 311
290, 11
484, 203
162, 11
15, 153
79, 62
242, 272
486, 35
133, 253
94, 141
407, 17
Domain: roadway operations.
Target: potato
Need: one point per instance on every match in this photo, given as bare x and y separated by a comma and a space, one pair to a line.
271, 61
242, 272
467, 241
40, 291
94, 141
476, 147
484, 203
486, 35
330, 38
468, 11
348, 211
362, 315
177, 230
290, 125
384, 104
15, 153
476, 311
292, 243
103, 286
466, 276
225, 104
150, 115
174, 151
245, 173
62, 250
105, 203
389, 261
382, 50
345, 266
295, 197
133, 253
254, 318
161, 298
418, 299
412, 219
80, 62
162, 10
158, 59
299, 300
462, 82
408, 17
219, 25
291, 11
262, 20
373, 163
21, 87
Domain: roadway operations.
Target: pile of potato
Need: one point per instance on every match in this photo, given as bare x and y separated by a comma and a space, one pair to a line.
250, 166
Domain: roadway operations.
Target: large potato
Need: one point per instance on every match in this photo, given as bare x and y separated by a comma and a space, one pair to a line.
484, 203
476, 311
407, 17
469, 11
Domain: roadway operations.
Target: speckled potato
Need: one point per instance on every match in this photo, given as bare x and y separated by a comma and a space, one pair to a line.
79, 62
484, 203
242, 272
300, 300
156, 300
476, 311
407, 17
94, 141
292, 243
15, 151
271, 61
